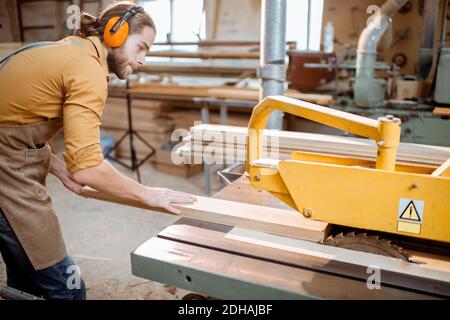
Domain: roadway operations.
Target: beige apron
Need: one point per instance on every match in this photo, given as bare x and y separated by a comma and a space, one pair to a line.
24, 165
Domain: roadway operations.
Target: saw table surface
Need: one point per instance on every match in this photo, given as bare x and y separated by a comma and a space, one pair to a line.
232, 263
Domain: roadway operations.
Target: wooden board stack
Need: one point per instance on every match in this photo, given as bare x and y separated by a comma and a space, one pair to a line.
186, 118
148, 120
220, 92
207, 138
154, 121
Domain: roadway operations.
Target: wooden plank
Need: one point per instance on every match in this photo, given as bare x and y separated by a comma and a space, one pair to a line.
443, 170
221, 92
196, 68
220, 153
430, 260
321, 143
441, 111
189, 155
241, 191
292, 139
186, 118
271, 220
206, 54
285, 152
312, 260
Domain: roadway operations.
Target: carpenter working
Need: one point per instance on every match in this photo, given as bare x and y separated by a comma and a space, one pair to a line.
45, 87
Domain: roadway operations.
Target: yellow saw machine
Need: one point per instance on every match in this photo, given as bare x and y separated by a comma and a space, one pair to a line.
381, 195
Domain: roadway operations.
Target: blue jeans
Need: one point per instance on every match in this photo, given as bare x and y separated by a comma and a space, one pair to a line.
61, 281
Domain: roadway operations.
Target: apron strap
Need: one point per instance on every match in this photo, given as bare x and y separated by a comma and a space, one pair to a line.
5, 59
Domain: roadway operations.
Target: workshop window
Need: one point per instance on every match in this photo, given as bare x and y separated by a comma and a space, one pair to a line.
188, 19
297, 23
191, 27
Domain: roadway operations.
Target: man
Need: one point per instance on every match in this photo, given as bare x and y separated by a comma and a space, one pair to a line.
43, 89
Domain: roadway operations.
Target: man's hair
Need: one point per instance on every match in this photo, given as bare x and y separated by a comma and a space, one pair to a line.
90, 26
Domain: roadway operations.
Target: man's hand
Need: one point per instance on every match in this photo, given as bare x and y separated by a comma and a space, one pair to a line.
165, 198
105, 178
58, 168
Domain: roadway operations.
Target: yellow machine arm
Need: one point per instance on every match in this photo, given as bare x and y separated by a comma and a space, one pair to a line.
385, 131
381, 196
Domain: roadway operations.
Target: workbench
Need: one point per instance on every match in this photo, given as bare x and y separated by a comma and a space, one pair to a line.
219, 261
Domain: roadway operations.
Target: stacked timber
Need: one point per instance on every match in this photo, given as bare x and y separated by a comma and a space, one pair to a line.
228, 143
162, 162
148, 120
155, 121
186, 118
220, 92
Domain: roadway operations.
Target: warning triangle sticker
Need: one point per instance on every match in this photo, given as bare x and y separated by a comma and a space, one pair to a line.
410, 212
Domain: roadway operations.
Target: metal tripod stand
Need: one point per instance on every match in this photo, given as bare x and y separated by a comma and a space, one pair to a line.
131, 133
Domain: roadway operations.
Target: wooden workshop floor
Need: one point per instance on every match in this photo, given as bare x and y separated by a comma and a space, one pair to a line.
100, 236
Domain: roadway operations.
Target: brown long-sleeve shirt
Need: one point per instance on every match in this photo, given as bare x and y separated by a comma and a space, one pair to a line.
60, 81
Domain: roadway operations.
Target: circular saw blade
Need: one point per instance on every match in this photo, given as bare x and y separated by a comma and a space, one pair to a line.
365, 243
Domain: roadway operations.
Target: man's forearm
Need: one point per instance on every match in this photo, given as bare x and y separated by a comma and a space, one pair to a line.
107, 179
57, 166
59, 169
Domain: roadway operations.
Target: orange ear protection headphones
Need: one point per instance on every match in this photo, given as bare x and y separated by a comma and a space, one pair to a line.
116, 30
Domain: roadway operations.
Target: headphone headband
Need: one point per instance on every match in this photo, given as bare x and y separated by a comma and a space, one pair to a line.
124, 17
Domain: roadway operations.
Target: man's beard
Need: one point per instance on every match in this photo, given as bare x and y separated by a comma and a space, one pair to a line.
117, 64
